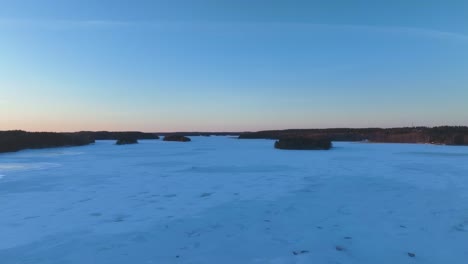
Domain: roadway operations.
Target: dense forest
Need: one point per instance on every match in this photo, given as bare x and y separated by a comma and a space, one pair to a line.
106, 135
15, 140
304, 143
195, 134
448, 135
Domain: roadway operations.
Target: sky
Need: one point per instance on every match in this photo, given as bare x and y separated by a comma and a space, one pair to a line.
239, 65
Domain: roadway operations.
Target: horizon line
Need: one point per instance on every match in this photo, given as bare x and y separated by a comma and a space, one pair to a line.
234, 132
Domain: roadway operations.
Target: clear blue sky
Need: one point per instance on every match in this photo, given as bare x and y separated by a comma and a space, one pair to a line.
231, 65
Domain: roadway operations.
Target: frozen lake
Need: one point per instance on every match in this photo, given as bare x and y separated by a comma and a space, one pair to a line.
223, 200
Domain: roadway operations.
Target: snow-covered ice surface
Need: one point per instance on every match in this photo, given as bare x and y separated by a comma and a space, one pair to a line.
223, 200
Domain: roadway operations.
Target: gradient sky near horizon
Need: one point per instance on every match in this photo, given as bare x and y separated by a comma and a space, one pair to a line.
231, 65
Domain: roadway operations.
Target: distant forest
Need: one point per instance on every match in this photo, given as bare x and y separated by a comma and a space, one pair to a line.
447, 135
15, 140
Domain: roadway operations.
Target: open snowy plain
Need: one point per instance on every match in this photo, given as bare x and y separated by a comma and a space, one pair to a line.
223, 200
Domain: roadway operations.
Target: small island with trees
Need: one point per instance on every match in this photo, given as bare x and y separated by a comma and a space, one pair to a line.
178, 138
304, 143
126, 141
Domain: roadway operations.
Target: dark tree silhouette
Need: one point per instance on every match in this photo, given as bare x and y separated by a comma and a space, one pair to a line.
17, 140
178, 138
304, 143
